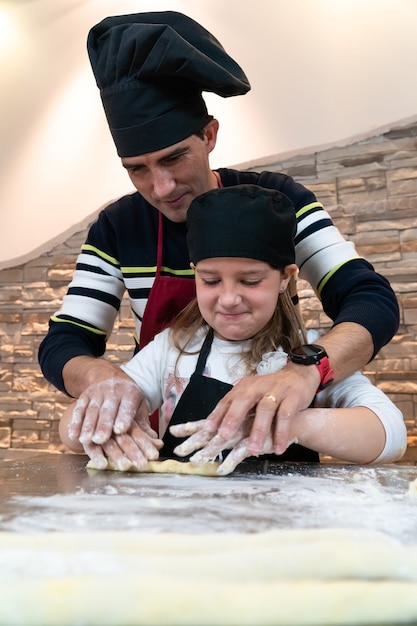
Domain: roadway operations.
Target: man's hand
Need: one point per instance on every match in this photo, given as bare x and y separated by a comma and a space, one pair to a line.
110, 422
273, 400
107, 407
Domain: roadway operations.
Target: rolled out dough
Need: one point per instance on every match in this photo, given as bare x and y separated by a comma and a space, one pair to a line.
412, 489
169, 466
283, 578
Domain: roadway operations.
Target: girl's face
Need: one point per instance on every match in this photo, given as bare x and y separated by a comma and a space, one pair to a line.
236, 296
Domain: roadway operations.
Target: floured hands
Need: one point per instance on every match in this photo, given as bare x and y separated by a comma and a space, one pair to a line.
132, 449
111, 421
272, 400
201, 437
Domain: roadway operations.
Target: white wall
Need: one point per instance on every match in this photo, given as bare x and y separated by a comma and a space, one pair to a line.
322, 71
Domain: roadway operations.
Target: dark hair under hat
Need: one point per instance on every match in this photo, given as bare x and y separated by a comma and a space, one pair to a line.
151, 69
242, 221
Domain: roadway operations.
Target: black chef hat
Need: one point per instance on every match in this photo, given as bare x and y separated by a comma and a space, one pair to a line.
242, 221
151, 69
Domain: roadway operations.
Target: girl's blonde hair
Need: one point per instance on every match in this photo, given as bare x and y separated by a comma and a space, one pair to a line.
285, 329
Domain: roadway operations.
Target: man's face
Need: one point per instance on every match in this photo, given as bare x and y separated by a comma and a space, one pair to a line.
169, 179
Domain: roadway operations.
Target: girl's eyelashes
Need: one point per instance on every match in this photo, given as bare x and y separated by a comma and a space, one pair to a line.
246, 283
209, 283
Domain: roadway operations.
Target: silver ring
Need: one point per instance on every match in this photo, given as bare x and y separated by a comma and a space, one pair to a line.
271, 397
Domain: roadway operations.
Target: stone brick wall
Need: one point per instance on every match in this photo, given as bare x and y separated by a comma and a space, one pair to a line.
370, 189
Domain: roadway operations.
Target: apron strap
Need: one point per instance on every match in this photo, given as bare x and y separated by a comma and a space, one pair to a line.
159, 245
204, 352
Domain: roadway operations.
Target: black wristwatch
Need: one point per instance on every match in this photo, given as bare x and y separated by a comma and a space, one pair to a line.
313, 354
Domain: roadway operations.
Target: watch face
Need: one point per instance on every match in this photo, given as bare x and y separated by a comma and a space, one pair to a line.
307, 354
308, 350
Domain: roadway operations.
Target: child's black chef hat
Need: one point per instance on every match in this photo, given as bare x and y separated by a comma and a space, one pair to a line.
151, 69
242, 221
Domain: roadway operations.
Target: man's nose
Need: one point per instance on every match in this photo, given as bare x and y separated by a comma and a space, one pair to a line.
163, 183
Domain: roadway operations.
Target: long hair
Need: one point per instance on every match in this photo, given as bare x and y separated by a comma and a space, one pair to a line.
285, 329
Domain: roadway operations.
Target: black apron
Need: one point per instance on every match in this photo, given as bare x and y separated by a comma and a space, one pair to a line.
199, 399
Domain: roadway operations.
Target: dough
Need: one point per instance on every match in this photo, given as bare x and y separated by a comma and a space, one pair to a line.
283, 578
169, 466
412, 489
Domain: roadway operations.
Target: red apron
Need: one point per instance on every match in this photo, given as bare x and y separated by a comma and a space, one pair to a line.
167, 297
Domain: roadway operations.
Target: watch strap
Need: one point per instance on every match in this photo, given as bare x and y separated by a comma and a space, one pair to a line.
326, 373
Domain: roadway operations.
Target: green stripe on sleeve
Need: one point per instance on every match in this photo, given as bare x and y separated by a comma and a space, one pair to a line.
100, 253
96, 331
332, 272
308, 207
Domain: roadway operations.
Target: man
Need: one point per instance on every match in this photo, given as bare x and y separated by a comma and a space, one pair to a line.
151, 69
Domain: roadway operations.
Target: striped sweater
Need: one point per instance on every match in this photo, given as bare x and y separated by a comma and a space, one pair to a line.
120, 254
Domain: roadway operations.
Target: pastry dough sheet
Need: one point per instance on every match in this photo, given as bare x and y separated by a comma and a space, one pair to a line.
323, 577
169, 466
